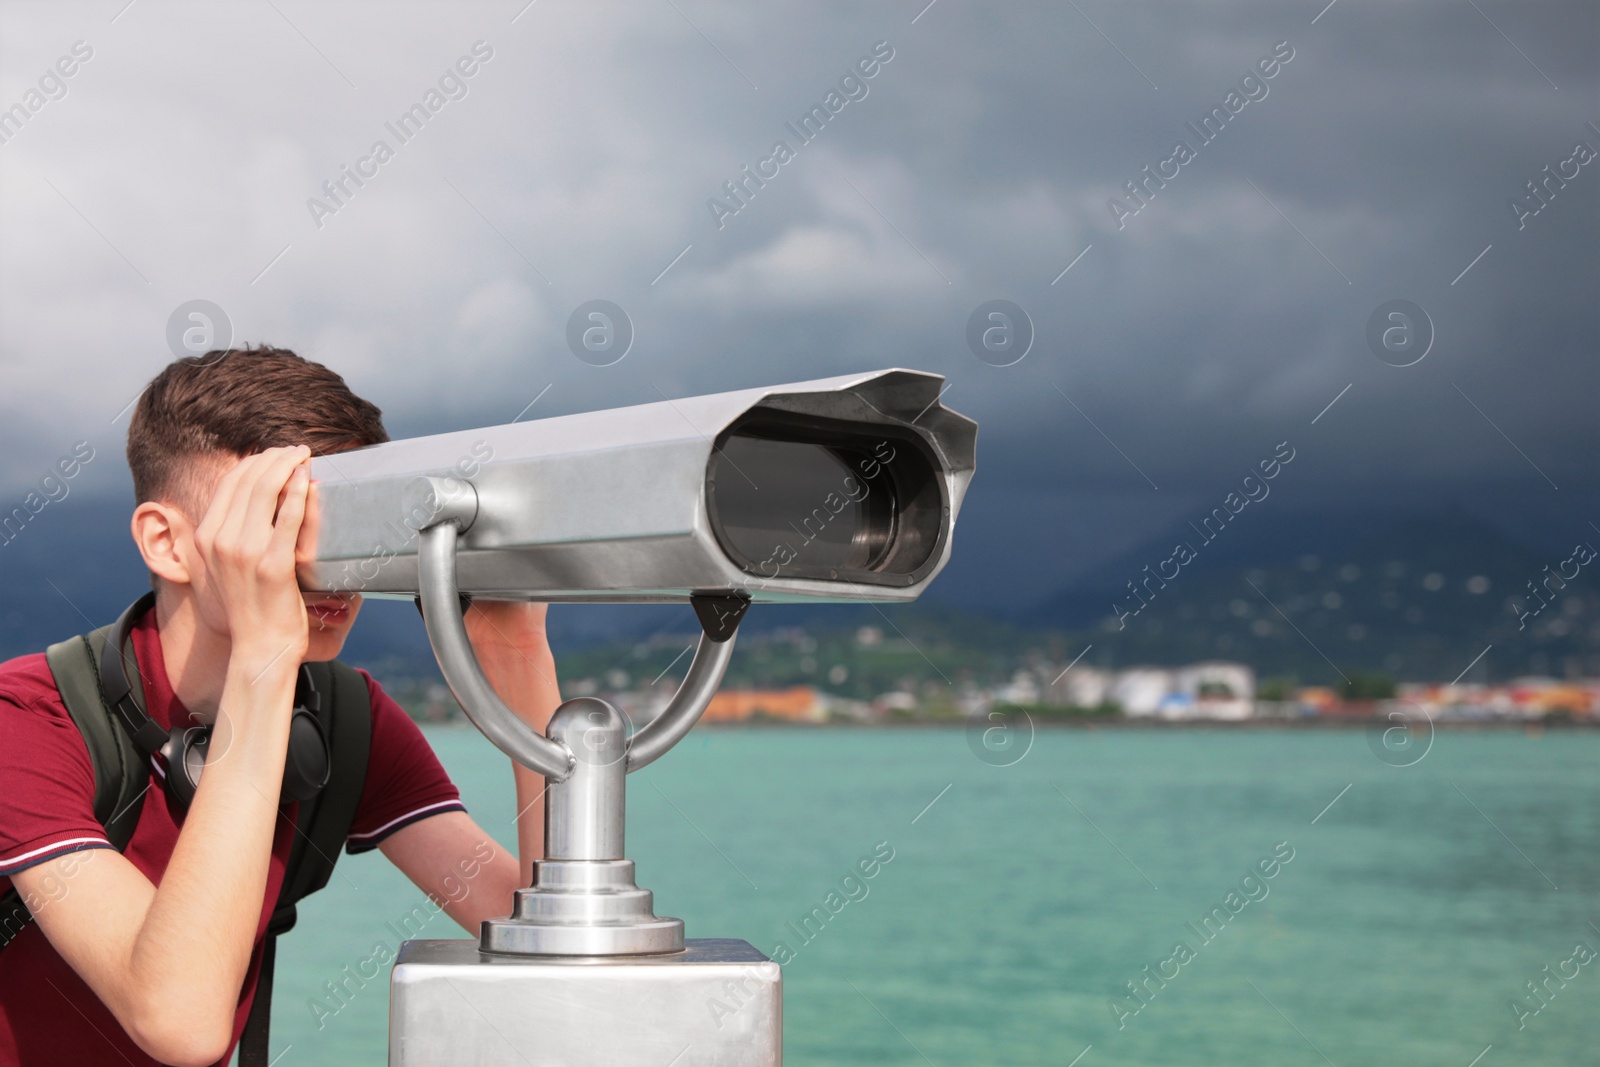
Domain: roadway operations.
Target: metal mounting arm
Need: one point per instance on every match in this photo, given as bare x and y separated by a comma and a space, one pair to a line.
447, 632
444, 509
683, 711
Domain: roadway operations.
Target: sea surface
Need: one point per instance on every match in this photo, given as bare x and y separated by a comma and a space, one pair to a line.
1022, 899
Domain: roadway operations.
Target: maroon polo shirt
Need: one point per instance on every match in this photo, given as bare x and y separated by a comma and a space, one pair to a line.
47, 1014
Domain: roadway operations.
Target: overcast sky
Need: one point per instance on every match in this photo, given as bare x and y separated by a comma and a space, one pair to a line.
1379, 162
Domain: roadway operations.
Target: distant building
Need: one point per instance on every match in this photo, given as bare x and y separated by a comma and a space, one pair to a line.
894, 700
799, 703
1141, 690
1080, 687
1214, 691
1521, 698
1318, 699
838, 707
1021, 690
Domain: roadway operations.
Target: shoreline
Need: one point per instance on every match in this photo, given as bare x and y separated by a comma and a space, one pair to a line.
1043, 722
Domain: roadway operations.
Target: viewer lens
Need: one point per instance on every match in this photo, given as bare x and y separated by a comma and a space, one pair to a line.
800, 508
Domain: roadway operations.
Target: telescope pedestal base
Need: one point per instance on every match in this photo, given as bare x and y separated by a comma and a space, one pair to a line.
582, 908
718, 1003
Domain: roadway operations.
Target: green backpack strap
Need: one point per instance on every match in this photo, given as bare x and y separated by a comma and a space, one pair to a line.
324, 822
323, 826
121, 776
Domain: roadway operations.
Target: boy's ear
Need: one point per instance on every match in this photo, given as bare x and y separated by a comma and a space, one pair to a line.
165, 539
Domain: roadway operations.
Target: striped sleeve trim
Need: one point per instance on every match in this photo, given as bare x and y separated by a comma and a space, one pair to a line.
21, 861
366, 842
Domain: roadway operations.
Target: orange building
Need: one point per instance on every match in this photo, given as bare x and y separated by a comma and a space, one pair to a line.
1323, 699
797, 704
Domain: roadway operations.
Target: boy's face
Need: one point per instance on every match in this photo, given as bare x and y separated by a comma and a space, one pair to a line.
329, 615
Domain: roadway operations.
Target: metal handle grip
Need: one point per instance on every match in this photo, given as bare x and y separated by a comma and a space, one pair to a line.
684, 710
447, 632
446, 515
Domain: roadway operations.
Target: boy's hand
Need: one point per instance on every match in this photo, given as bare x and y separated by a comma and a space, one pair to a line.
246, 543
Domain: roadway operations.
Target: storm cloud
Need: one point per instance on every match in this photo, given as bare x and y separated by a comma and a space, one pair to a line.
1170, 349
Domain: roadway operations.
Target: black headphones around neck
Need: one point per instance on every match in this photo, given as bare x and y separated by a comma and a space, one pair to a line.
306, 764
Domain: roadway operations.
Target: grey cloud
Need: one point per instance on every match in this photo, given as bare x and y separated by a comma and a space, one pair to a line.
579, 164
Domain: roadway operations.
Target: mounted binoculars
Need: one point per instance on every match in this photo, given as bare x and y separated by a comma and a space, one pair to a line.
840, 489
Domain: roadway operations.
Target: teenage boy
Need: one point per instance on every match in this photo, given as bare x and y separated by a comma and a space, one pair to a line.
151, 954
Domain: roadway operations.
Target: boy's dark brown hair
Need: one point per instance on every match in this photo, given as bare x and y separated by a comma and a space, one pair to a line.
231, 403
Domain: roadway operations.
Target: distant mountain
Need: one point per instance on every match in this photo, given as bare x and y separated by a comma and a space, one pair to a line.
1419, 600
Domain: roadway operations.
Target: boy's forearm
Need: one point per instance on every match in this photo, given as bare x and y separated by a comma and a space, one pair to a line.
198, 934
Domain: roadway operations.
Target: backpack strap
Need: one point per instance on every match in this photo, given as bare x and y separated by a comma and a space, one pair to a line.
121, 775
322, 827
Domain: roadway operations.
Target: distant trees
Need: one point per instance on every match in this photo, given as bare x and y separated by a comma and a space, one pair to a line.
1278, 687
1368, 687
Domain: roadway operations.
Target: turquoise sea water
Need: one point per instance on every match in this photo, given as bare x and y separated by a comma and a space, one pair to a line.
1411, 914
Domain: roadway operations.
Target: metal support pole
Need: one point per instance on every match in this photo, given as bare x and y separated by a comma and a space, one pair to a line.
583, 901
584, 812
